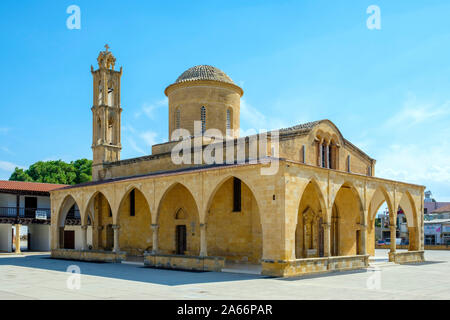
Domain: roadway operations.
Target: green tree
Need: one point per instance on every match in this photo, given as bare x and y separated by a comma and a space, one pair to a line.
55, 171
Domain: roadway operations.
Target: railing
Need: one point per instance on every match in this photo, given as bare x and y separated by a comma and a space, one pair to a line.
38, 213
32, 213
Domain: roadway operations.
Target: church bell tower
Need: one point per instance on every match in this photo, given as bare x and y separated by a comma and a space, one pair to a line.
106, 113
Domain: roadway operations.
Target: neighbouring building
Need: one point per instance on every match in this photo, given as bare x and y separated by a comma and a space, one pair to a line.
25, 204
382, 227
437, 227
430, 204
294, 201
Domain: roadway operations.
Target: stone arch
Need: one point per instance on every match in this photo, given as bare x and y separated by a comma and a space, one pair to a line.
66, 204
407, 204
135, 233
88, 217
351, 217
175, 196
167, 190
100, 209
237, 236
377, 199
219, 183
316, 185
91, 196
125, 193
309, 221
408, 207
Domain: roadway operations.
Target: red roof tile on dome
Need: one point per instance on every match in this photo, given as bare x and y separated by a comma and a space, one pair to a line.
29, 186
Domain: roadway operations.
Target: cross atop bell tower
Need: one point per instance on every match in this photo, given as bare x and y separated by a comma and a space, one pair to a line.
106, 113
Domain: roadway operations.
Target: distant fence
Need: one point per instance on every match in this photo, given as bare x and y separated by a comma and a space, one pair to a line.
427, 247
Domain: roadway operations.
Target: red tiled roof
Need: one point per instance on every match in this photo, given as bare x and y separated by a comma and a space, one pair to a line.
442, 209
29, 186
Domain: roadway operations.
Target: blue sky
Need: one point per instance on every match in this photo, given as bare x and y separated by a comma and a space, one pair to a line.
387, 90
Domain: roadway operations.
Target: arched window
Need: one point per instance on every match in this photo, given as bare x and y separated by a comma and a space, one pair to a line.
203, 118
177, 118
180, 214
228, 119
330, 157
99, 130
132, 203
324, 155
110, 95
100, 93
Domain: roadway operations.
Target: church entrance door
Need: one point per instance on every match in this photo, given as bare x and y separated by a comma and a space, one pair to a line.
181, 239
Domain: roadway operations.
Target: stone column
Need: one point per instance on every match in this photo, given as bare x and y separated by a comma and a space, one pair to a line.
116, 238
203, 243
97, 236
363, 239
155, 228
305, 240
84, 237
17, 238
326, 239
393, 238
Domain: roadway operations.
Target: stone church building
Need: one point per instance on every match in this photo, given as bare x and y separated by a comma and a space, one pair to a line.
313, 213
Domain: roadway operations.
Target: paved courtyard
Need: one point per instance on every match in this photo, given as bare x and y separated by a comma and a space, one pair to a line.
33, 276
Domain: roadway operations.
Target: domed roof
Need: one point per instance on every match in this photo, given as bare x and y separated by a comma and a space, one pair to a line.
204, 72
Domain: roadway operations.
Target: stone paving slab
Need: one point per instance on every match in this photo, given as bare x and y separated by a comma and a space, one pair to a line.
39, 277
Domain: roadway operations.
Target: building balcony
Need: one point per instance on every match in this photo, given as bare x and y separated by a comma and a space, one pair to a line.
43, 214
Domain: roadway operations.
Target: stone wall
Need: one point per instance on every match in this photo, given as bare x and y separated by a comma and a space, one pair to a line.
178, 200
91, 255
135, 233
301, 267
184, 262
234, 235
407, 257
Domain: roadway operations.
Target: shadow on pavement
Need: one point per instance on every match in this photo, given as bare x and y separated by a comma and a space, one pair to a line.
126, 271
323, 275
423, 263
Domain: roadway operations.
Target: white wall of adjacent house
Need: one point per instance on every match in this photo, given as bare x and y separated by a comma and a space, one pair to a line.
433, 230
78, 236
5, 237
9, 200
39, 237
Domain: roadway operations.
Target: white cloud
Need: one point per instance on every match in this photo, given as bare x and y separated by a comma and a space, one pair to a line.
149, 137
135, 147
415, 112
251, 117
253, 121
135, 138
9, 166
6, 150
425, 165
150, 109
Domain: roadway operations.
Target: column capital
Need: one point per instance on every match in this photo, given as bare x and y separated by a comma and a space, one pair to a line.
363, 227
326, 225
154, 226
100, 228
84, 227
115, 226
203, 225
